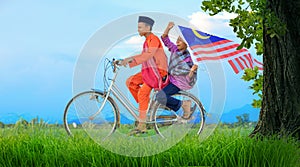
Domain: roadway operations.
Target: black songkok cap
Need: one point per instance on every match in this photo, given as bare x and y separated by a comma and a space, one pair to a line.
147, 20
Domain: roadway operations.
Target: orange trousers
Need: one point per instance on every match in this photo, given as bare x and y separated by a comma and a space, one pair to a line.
141, 93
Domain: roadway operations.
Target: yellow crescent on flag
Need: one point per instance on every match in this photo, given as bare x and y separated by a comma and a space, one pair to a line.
199, 35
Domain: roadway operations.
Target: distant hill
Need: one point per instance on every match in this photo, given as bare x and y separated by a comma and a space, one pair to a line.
230, 117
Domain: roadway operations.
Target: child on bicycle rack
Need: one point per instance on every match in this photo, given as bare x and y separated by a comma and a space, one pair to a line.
182, 74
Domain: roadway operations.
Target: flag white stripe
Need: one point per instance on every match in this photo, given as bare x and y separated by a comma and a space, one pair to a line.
214, 48
216, 53
222, 53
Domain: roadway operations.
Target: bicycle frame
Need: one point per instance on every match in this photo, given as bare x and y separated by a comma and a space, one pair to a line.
159, 114
121, 98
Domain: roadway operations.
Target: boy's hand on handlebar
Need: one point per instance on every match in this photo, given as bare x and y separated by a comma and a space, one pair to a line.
126, 61
118, 62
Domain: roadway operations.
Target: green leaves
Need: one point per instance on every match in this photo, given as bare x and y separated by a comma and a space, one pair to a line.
257, 85
250, 74
256, 103
217, 6
259, 48
251, 18
248, 23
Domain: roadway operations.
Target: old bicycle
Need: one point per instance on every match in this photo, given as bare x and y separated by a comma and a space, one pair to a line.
98, 110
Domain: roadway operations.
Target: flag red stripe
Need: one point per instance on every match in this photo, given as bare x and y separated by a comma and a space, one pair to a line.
244, 61
222, 56
233, 66
220, 49
211, 44
217, 50
248, 57
256, 61
239, 63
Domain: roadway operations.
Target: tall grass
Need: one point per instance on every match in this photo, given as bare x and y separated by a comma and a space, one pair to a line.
41, 146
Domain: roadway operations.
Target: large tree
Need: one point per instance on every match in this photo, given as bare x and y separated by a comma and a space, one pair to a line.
273, 26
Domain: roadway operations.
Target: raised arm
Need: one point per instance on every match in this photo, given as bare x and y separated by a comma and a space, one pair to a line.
167, 30
165, 38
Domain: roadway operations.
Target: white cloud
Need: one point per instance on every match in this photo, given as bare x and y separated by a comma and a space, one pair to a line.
130, 44
225, 16
216, 25
135, 40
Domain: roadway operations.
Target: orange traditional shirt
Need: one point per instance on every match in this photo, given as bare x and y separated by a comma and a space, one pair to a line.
152, 48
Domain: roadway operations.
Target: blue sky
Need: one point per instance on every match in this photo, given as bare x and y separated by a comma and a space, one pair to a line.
40, 42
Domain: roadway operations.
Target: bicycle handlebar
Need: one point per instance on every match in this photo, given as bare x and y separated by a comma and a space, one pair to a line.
116, 63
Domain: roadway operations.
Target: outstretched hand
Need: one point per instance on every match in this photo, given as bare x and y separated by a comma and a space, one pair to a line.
170, 25
126, 61
168, 28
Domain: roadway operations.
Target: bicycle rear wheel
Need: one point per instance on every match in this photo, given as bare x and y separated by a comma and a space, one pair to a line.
170, 124
78, 112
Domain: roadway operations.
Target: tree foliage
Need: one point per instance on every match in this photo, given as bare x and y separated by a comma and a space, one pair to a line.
256, 86
252, 15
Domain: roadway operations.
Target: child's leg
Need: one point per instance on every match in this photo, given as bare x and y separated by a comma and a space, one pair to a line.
134, 84
144, 98
164, 97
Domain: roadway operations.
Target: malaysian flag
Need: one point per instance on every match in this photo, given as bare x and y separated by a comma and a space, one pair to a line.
207, 47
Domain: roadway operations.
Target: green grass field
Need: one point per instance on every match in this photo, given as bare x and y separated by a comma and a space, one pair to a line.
41, 146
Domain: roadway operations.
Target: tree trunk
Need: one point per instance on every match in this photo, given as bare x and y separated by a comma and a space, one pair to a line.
280, 112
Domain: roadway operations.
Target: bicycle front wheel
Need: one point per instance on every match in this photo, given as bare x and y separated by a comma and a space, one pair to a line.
82, 115
169, 124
